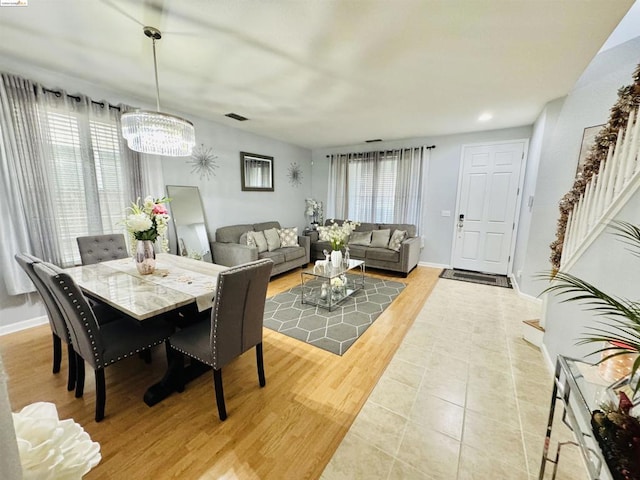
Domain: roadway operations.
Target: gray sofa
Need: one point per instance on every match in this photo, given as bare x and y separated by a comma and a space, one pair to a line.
227, 249
376, 257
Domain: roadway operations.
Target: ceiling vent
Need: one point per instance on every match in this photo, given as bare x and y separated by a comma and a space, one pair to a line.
235, 116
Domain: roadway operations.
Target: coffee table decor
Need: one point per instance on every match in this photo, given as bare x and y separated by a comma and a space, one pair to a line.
331, 330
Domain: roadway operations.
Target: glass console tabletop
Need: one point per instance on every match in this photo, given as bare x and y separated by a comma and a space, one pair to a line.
326, 285
580, 390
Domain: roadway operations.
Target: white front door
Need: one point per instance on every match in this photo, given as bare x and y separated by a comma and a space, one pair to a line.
487, 201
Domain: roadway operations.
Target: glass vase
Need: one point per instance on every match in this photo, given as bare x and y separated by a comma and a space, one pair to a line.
145, 257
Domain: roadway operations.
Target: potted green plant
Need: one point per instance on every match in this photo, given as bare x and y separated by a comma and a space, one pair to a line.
619, 326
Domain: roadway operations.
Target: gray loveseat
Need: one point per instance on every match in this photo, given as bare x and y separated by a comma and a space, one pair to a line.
402, 261
230, 248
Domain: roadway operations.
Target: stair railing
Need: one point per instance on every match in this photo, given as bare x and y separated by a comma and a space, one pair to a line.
605, 194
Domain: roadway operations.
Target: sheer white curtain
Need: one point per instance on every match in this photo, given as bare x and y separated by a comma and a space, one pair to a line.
378, 187
66, 172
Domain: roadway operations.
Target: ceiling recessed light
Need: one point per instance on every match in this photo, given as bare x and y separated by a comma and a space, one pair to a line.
485, 117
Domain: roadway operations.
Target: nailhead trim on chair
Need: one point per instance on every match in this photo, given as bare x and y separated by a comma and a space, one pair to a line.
100, 362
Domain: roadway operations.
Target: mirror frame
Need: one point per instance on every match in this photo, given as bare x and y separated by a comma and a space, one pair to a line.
244, 156
175, 225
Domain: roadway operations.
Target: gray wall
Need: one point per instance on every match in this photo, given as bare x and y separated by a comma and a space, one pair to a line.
440, 191
586, 105
224, 202
606, 263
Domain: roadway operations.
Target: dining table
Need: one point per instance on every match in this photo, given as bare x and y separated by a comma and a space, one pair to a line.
177, 283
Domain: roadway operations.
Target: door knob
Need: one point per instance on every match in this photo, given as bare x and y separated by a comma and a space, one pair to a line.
460, 220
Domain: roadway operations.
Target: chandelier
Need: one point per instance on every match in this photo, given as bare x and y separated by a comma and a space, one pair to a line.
157, 133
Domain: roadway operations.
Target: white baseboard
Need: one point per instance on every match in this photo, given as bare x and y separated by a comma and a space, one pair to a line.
516, 287
23, 325
433, 265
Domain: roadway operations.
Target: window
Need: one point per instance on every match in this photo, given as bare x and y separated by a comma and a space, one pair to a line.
372, 189
377, 187
87, 178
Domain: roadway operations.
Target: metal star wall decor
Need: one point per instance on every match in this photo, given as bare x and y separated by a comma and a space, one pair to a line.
295, 174
203, 162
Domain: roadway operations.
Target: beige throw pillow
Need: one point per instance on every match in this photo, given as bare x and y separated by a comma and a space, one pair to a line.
259, 240
273, 239
380, 238
397, 239
288, 237
360, 238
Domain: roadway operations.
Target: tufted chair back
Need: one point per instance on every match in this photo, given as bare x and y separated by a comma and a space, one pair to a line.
100, 248
82, 324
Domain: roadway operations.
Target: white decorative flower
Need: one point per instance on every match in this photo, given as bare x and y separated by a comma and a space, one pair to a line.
139, 222
148, 221
50, 448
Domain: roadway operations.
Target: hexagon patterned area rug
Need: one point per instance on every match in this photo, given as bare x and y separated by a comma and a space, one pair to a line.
333, 331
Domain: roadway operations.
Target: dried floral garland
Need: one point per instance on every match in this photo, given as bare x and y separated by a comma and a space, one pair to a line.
628, 99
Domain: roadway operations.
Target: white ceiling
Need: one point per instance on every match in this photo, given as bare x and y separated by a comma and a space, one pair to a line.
320, 73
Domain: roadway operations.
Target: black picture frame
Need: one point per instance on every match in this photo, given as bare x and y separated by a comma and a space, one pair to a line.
256, 172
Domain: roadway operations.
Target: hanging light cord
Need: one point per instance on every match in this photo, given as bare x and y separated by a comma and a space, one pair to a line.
155, 69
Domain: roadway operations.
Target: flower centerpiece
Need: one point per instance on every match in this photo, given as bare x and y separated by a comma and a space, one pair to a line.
146, 222
337, 235
314, 211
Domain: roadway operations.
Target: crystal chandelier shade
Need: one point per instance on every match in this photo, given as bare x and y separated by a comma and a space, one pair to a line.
157, 133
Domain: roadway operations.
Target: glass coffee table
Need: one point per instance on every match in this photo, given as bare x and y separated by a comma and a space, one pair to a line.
327, 285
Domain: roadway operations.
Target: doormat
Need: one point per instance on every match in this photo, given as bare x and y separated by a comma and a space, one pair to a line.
333, 331
477, 277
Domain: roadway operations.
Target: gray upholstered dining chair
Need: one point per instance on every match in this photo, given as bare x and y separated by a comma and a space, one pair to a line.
100, 248
235, 326
56, 319
98, 345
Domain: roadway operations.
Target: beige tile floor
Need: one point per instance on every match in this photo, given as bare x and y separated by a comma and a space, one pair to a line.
465, 397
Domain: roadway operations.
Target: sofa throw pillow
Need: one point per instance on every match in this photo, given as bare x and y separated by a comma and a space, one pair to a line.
288, 237
360, 238
258, 240
380, 238
396, 239
244, 240
273, 239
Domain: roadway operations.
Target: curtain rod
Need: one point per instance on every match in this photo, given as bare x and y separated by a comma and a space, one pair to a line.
77, 99
430, 147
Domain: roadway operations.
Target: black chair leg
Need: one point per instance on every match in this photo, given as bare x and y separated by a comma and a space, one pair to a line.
101, 394
57, 353
261, 378
145, 355
71, 379
79, 376
217, 382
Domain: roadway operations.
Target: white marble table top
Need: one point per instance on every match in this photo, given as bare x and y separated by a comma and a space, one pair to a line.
177, 281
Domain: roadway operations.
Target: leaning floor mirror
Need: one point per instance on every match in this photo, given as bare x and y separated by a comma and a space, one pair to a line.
188, 218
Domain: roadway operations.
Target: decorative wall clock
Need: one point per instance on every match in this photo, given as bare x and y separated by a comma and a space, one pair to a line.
203, 162
295, 174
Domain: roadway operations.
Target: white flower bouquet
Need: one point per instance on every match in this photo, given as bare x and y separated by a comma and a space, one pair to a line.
336, 234
148, 221
314, 210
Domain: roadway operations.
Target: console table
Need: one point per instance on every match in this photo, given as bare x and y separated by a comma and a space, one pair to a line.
577, 388
327, 285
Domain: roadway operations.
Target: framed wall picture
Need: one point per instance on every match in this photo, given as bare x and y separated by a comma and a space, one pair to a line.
256, 172
588, 138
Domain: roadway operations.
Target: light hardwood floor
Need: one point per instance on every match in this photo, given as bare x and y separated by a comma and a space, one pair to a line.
288, 430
